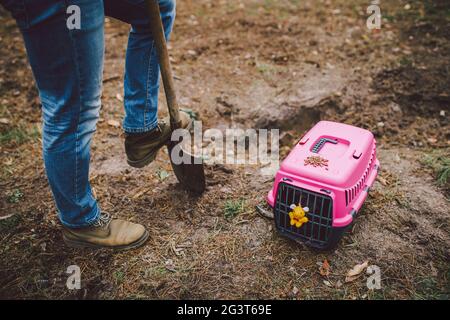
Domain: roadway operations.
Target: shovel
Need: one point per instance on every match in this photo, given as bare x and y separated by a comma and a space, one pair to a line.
190, 174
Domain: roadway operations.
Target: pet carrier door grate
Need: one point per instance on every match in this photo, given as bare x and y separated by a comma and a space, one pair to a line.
317, 230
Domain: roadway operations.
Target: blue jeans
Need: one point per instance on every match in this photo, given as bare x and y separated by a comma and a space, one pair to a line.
67, 65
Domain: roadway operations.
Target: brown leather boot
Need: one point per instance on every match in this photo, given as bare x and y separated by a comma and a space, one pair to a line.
141, 148
107, 233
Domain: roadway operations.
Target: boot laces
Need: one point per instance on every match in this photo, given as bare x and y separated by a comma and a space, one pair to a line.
103, 221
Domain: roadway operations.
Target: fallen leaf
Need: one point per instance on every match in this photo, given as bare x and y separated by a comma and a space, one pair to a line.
140, 193
162, 175
111, 78
336, 11
170, 265
114, 123
325, 268
178, 251
356, 271
295, 291
192, 52
327, 283
4, 121
382, 180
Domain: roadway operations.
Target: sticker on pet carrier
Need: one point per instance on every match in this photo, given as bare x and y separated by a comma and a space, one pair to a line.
323, 183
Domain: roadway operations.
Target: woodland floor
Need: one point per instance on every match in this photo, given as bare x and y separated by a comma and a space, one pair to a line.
250, 64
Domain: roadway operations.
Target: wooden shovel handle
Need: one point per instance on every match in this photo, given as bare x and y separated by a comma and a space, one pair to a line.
159, 39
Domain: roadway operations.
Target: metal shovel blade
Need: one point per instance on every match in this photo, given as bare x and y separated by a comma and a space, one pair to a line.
191, 172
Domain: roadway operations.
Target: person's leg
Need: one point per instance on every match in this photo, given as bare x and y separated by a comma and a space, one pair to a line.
67, 65
144, 134
141, 67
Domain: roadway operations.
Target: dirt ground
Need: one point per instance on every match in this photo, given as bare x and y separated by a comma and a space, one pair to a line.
251, 64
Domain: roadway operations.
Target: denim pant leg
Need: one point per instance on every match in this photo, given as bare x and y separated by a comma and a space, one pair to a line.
141, 66
67, 65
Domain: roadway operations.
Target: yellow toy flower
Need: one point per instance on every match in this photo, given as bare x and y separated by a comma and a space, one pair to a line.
298, 215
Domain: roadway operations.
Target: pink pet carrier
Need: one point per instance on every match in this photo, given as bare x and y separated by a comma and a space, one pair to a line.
323, 182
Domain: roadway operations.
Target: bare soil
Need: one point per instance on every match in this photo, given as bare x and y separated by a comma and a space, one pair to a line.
259, 64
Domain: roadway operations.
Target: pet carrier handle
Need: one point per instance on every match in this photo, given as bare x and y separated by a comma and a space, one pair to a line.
319, 145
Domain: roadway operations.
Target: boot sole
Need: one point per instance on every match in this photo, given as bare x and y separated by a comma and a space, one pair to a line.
151, 156
82, 245
146, 161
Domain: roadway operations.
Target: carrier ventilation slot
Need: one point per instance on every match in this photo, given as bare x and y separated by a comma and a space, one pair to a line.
351, 193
